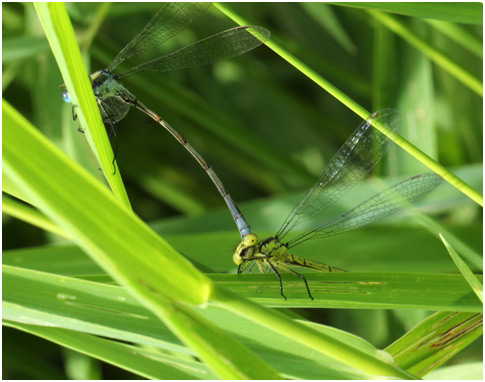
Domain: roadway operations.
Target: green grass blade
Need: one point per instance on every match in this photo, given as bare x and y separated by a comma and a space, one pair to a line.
363, 113
227, 358
59, 31
93, 30
177, 197
474, 283
321, 342
65, 260
458, 34
457, 12
381, 72
19, 48
9, 187
370, 290
325, 16
83, 306
298, 64
30, 215
96, 221
467, 371
68, 196
438, 58
435, 340
110, 311
143, 362
437, 229
351, 290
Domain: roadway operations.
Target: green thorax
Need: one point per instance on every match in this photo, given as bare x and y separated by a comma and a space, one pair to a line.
105, 85
272, 247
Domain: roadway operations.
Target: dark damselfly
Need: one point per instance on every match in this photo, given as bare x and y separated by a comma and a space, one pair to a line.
114, 100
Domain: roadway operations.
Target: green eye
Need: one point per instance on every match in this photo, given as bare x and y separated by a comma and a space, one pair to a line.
250, 239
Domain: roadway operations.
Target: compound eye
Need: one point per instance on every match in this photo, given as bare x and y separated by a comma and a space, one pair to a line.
250, 240
66, 97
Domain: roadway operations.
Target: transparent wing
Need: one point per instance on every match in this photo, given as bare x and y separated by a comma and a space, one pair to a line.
357, 156
113, 110
221, 46
375, 208
170, 20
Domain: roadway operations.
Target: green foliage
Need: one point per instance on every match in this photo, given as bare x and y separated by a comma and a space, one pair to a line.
474, 283
267, 130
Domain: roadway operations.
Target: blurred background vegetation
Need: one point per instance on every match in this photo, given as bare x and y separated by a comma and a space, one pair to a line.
268, 131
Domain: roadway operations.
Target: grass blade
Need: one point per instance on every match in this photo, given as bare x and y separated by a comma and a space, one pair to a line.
363, 113
438, 58
351, 290
471, 13
71, 203
60, 34
435, 340
142, 362
472, 280
30, 215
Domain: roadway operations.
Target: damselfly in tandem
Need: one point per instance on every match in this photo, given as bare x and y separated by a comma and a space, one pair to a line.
353, 161
114, 100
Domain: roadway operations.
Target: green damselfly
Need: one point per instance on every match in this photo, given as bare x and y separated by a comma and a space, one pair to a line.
354, 160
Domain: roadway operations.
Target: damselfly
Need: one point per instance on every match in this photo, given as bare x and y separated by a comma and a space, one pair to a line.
356, 158
114, 100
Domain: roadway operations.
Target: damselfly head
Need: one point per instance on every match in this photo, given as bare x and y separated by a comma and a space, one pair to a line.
244, 249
